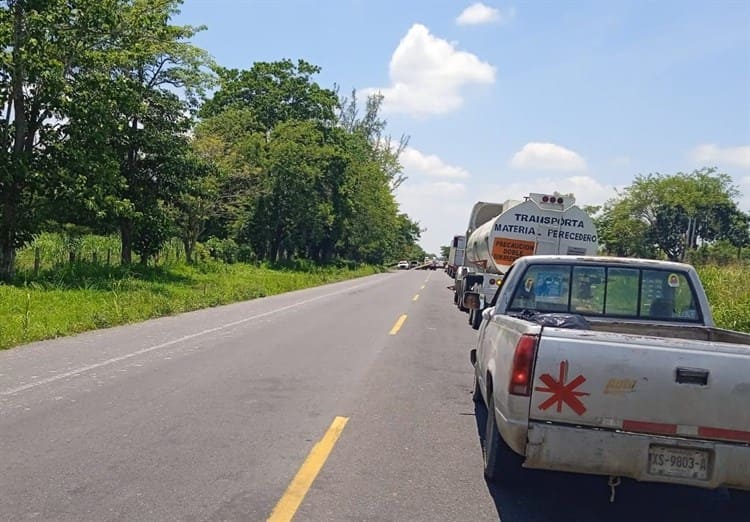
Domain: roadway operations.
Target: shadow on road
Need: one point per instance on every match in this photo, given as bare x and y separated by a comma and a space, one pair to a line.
567, 497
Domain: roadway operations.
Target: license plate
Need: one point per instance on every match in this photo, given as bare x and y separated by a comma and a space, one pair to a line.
670, 461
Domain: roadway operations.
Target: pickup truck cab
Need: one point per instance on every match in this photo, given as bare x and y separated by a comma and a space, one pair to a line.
612, 366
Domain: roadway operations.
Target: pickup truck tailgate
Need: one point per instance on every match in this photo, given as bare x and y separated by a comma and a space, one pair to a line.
681, 388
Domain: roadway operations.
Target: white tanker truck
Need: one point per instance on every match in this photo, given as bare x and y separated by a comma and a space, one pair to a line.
540, 224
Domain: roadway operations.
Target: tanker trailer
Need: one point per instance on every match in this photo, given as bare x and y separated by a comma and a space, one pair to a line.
541, 224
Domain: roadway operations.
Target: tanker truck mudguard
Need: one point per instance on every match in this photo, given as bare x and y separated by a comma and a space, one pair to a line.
540, 224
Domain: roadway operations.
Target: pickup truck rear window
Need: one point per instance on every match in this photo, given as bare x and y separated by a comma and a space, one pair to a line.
607, 291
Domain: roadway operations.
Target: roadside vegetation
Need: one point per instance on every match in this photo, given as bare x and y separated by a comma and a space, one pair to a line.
53, 296
138, 177
728, 289
113, 123
81, 296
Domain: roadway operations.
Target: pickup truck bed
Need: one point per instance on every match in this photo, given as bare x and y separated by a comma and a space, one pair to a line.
702, 333
661, 395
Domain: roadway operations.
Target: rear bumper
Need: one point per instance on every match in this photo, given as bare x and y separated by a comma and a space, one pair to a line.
602, 452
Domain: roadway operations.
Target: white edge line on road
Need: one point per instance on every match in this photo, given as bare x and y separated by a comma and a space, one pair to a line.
113, 360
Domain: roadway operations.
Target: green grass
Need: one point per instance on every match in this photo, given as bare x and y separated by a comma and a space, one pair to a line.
82, 297
728, 290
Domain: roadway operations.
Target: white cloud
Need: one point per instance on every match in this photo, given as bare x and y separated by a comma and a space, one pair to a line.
735, 156
547, 156
477, 14
587, 190
413, 160
427, 74
441, 207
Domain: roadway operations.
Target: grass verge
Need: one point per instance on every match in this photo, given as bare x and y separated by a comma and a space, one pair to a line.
85, 297
728, 290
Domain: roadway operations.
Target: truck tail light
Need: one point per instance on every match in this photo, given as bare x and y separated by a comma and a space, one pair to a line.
521, 373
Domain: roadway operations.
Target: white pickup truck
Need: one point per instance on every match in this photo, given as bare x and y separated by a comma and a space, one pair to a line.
614, 367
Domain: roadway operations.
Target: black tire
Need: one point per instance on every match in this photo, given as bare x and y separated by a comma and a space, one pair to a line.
477, 395
501, 464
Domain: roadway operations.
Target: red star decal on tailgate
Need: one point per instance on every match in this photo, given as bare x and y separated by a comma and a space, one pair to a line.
561, 392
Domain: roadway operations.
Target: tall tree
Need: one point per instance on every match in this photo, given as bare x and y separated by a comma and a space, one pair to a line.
44, 44
672, 214
231, 140
154, 121
312, 184
275, 92
371, 126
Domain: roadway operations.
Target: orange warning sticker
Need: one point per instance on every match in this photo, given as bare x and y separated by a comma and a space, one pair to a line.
505, 251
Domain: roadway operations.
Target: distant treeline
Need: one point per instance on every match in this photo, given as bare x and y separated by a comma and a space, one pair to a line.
108, 127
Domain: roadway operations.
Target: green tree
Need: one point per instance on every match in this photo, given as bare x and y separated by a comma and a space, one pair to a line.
289, 212
197, 201
372, 127
78, 80
668, 214
231, 141
42, 44
275, 92
305, 183
153, 120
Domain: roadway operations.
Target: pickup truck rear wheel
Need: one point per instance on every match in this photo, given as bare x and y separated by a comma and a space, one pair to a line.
501, 464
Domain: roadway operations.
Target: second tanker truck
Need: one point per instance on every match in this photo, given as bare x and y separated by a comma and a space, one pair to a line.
540, 224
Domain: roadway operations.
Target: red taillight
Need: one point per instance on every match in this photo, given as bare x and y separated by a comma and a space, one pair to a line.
523, 366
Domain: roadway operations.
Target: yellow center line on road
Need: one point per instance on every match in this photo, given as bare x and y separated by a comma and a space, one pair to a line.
289, 503
398, 325
415, 297
422, 288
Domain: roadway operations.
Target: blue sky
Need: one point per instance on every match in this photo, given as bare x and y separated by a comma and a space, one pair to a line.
500, 99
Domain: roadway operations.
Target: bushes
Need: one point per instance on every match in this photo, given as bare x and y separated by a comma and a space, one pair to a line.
728, 290
226, 250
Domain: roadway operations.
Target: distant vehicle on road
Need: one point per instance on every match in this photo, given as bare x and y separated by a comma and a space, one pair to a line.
403, 265
455, 255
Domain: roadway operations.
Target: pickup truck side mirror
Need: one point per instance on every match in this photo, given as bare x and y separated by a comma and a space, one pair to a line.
471, 300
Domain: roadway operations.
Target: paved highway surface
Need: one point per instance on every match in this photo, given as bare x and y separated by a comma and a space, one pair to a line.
350, 401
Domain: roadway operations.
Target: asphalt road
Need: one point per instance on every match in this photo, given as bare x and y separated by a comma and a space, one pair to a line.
212, 415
